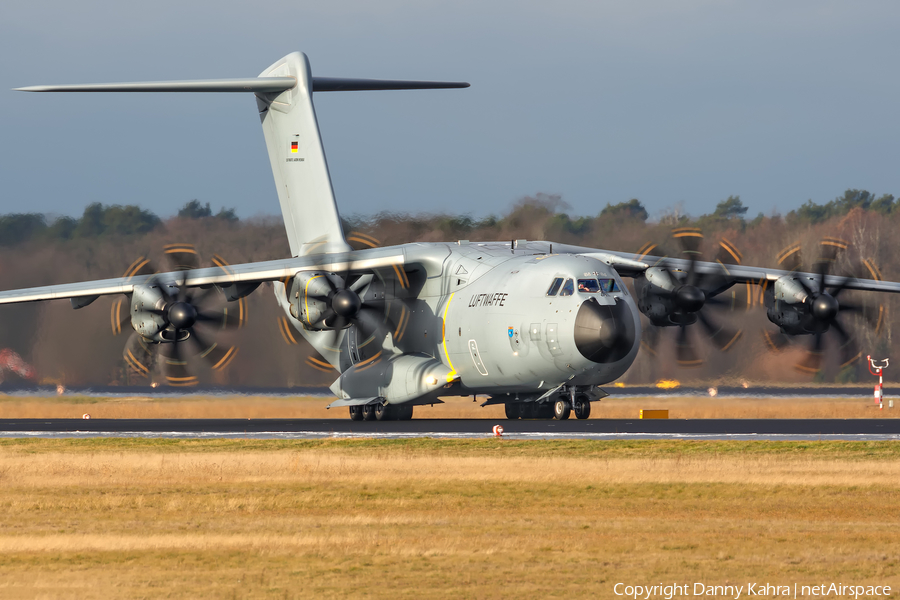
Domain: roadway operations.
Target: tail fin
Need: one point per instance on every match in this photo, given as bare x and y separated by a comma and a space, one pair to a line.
298, 161
284, 97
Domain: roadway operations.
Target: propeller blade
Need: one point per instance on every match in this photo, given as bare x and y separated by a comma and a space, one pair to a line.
232, 316
849, 350
722, 337
836, 290
728, 254
200, 297
401, 321
287, 332
338, 323
182, 257
138, 355
775, 341
361, 282
372, 324
650, 340
367, 241
218, 356
686, 354
812, 362
175, 366
831, 248
120, 315
791, 258
142, 266
822, 269
690, 239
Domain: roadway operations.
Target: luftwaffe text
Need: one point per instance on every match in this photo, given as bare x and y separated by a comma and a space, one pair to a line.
495, 299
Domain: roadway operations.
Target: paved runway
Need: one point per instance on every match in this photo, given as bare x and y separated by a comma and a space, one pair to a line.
20, 389
799, 429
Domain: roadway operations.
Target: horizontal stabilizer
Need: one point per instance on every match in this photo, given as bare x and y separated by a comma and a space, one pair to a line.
262, 85
285, 105
337, 84
259, 85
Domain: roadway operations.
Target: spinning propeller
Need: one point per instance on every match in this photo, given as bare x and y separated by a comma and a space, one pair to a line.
184, 323
333, 302
675, 297
819, 312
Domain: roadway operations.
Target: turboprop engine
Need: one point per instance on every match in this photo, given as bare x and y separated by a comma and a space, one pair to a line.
320, 301
326, 301
801, 305
666, 300
156, 316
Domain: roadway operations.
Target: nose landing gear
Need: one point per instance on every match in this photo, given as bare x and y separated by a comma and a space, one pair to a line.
561, 409
582, 407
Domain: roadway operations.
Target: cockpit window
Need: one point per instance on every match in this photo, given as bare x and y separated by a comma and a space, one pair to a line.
588, 286
568, 288
554, 287
609, 285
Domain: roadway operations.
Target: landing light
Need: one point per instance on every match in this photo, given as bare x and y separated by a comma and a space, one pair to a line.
431, 380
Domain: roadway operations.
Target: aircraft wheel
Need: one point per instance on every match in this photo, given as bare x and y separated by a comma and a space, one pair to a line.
513, 411
541, 410
582, 407
561, 410
368, 412
385, 412
405, 412
356, 413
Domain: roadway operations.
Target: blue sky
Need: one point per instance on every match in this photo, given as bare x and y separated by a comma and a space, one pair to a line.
674, 103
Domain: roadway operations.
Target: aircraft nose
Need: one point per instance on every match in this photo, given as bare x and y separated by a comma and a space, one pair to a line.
604, 333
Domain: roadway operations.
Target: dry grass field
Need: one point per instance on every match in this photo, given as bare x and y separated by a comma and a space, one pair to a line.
438, 518
258, 407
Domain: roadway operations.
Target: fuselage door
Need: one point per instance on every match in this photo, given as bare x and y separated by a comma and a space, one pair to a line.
553, 339
476, 358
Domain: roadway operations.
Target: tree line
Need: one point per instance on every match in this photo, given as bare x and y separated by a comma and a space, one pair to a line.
103, 242
96, 221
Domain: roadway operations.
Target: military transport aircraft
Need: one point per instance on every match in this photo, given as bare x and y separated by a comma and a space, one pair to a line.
535, 325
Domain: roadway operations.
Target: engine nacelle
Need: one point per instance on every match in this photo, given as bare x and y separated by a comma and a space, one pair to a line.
655, 291
787, 304
148, 304
309, 297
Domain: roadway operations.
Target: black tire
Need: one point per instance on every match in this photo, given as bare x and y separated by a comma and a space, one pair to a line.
356, 413
405, 412
540, 410
561, 410
385, 412
368, 412
582, 407
513, 411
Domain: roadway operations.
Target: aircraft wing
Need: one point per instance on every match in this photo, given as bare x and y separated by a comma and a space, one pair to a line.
631, 265
83, 293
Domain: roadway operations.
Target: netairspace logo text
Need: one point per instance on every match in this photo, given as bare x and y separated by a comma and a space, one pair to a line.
795, 590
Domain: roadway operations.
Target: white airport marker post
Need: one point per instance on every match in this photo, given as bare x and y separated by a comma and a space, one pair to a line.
879, 387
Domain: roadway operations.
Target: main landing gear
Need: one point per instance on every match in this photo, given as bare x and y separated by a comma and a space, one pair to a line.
560, 410
381, 412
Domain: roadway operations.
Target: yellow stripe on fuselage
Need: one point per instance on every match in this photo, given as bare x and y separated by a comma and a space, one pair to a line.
452, 375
